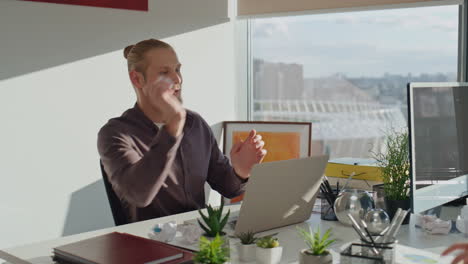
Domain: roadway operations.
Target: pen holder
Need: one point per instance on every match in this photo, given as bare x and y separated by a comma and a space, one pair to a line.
386, 250
363, 254
326, 210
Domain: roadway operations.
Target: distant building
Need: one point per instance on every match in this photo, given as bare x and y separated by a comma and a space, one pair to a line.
346, 120
335, 88
277, 80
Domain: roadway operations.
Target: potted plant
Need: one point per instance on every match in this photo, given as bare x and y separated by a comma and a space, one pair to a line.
394, 165
316, 251
247, 246
211, 251
214, 223
268, 250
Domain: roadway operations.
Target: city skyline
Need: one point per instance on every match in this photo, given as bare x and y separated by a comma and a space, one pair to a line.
283, 81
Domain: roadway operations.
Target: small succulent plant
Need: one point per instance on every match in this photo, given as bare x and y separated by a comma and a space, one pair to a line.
214, 222
212, 252
317, 244
268, 242
247, 238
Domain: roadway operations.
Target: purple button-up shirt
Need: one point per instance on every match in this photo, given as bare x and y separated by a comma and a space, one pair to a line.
155, 174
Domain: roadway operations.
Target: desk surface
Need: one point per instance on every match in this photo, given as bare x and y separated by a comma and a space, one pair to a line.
39, 253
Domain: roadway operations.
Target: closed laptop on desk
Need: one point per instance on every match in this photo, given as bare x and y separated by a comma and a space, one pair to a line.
280, 193
120, 248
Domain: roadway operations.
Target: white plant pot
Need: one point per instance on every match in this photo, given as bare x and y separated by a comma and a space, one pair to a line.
305, 258
247, 252
268, 255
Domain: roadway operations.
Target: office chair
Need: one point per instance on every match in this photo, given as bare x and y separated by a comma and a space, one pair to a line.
114, 201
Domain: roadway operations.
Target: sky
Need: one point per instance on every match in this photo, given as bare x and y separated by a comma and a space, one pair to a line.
362, 44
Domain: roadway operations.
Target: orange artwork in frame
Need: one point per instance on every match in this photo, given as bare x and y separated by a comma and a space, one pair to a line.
283, 140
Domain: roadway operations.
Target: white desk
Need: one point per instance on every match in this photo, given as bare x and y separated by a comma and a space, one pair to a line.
39, 253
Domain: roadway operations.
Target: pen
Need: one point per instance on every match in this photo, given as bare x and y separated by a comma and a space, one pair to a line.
329, 190
393, 225
327, 184
357, 228
374, 249
326, 196
381, 235
393, 235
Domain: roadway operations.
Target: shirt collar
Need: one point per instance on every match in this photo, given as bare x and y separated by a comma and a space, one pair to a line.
138, 114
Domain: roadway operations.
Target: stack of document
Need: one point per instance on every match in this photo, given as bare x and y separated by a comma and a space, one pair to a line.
120, 248
410, 255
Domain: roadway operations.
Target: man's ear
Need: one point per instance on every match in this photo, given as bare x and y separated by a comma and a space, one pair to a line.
137, 79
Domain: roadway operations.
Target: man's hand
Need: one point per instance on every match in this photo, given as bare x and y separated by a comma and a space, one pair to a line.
161, 95
463, 255
245, 154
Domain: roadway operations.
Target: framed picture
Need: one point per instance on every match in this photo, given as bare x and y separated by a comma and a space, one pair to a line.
139, 5
283, 140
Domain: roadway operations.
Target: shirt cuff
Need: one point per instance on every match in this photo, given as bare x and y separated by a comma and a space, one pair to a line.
242, 180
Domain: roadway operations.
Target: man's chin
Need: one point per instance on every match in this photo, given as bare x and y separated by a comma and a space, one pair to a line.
179, 97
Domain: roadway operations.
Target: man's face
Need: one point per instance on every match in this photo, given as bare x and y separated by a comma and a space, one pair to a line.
163, 64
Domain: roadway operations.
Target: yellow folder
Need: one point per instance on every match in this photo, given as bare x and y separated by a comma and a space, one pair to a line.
363, 169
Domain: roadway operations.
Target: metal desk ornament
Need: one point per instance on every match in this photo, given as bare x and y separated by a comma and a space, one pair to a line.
373, 249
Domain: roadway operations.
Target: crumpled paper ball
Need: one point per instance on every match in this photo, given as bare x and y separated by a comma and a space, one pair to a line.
422, 220
164, 232
462, 225
439, 227
433, 225
191, 233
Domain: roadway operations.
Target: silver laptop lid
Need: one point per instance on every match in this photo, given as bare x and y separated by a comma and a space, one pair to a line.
280, 193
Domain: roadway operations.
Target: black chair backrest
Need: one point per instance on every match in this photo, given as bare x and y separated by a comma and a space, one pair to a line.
114, 201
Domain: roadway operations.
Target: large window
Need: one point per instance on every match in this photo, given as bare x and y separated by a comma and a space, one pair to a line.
347, 73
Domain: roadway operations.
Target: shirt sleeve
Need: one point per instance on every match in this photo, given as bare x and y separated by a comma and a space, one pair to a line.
221, 175
136, 177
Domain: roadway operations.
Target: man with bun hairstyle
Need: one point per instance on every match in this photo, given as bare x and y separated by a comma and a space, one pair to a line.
158, 155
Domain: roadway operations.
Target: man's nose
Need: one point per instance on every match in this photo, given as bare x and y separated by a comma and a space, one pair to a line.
176, 78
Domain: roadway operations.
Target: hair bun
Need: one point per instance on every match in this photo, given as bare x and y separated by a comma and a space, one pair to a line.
127, 50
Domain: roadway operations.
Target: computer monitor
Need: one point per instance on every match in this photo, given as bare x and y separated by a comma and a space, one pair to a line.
438, 132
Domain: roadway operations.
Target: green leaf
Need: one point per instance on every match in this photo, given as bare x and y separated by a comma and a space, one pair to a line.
317, 235
207, 231
326, 235
222, 205
210, 210
215, 227
328, 243
205, 218
224, 221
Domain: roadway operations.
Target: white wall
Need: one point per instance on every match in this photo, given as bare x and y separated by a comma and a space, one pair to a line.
62, 75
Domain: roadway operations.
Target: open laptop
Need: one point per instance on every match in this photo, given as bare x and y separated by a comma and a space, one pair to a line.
280, 193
